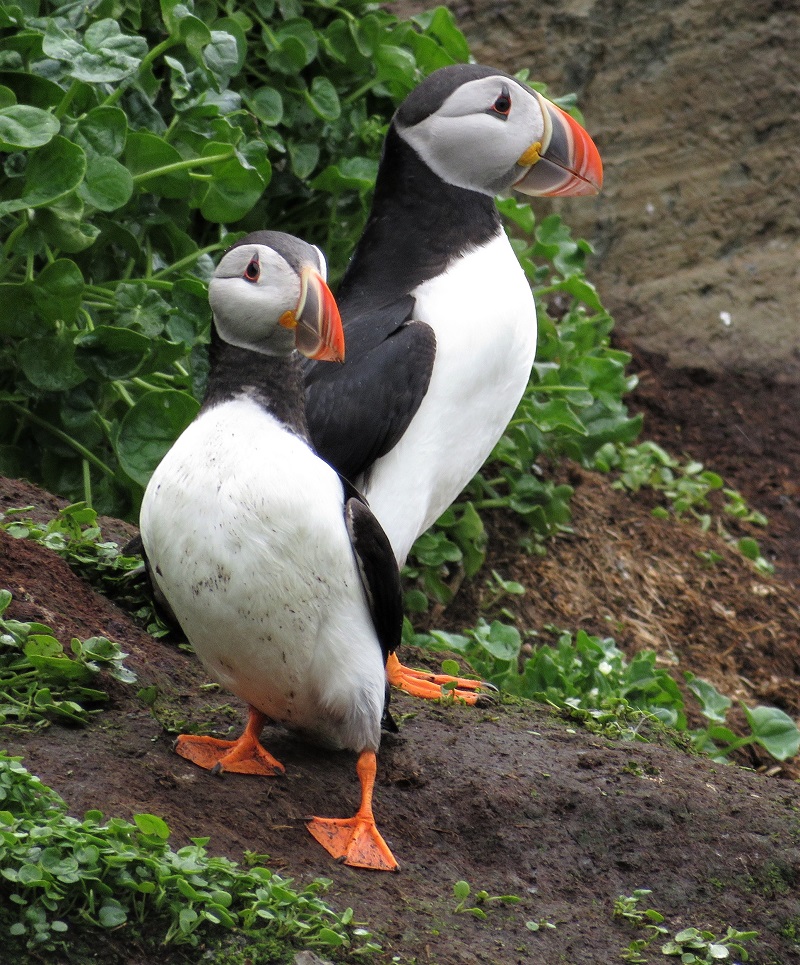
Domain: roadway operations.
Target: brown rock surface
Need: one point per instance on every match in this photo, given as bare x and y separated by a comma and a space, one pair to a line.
694, 108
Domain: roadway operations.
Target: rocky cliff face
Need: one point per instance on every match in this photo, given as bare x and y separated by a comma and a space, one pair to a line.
695, 108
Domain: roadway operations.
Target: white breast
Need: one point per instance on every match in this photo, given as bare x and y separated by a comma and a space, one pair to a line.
244, 529
484, 316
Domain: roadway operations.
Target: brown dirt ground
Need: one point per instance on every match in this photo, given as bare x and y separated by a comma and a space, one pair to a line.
514, 800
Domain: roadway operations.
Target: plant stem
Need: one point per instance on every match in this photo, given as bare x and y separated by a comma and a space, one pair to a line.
558, 388
11, 241
187, 165
147, 60
360, 91
499, 503
184, 262
123, 393
87, 483
68, 440
146, 385
66, 100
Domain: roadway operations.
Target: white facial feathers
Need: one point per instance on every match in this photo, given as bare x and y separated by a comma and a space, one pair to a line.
251, 289
470, 141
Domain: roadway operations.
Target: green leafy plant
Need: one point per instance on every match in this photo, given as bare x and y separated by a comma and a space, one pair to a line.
135, 137
592, 675
75, 535
449, 552
40, 682
62, 875
573, 404
463, 894
587, 671
649, 920
573, 407
693, 945
687, 487
702, 946
770, 727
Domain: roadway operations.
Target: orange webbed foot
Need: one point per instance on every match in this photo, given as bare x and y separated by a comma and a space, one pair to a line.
242, 756
431, 686
356, 841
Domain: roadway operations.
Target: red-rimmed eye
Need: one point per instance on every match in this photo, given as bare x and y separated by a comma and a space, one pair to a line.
502, 105
253, 270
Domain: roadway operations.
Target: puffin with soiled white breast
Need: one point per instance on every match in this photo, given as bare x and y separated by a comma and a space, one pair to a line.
439, 318
277, 571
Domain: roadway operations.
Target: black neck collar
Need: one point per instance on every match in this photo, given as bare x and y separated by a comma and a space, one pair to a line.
418, 225
274, 382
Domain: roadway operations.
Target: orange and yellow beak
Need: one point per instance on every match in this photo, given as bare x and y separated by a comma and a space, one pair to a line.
565, 162
317, 325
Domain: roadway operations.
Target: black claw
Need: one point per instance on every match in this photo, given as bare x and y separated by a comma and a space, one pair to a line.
218, 770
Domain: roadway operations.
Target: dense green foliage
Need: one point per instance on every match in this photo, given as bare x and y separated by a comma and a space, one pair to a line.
137, 136
75, 535
59, 872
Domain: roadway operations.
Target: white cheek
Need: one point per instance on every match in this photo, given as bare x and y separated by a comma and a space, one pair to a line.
478, 152
246, 313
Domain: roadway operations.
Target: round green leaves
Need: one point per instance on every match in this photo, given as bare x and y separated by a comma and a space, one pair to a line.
149, 429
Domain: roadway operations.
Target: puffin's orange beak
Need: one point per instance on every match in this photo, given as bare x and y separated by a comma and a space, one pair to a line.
566, 163
318, 332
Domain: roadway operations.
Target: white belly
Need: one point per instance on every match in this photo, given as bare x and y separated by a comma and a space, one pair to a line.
484, 316
244, 530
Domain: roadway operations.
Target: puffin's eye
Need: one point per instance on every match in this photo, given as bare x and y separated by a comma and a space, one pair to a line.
253, 270
502, 105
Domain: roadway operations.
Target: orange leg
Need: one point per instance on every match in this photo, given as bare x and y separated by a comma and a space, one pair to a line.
419, 683
242, 756
356, 841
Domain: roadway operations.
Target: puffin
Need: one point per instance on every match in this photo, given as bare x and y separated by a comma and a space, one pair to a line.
274, 566
438, 315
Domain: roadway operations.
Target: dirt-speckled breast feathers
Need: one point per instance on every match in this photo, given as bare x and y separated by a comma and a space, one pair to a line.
277, 571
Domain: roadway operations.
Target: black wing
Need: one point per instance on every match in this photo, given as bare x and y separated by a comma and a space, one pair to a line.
380, 574
358, 411
144, 575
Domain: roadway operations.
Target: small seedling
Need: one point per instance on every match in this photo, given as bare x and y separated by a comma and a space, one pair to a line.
538, 925
40, 682
710, 558
497, 589
694, 946
462, 892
